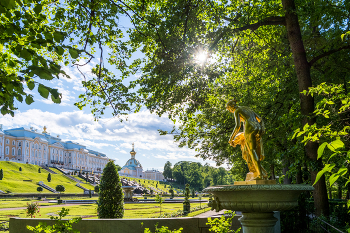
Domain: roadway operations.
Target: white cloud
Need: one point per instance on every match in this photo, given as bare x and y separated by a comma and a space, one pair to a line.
123, 151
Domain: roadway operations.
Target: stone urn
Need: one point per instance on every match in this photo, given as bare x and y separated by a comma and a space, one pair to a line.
257, 202
128, 190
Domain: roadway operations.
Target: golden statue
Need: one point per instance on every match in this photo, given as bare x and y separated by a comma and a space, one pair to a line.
250, 139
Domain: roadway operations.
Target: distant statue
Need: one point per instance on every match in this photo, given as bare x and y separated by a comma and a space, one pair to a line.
250, 139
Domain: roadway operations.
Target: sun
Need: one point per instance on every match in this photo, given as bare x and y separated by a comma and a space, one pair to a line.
201, 57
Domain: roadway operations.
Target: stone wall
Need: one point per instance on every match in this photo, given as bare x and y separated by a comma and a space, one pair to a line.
189, 225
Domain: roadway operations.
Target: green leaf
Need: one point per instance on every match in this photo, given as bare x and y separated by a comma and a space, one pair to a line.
58, 36
43, 73
37, 9
55, 93
31, 85
60, 50
19, 98
321, 149
333, 146
26, 55
29, 99
326, 168
9, 4
43, 91
333, 178
74, 53
56, 100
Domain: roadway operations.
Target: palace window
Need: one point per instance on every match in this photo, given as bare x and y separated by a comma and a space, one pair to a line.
19, 143
27, 152
39, 146
39, 154
36, 153
13, 151
19, 151
7, 150
13, 143
32, 145
36, 146
7, 141
27, 144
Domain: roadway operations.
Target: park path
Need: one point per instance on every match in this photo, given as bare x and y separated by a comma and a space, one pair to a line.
212, 213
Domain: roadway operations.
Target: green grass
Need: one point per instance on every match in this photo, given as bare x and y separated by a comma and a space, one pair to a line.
13, 179
195, 213
89, 210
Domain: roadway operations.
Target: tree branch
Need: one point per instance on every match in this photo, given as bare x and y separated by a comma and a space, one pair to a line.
315, 59
273, 20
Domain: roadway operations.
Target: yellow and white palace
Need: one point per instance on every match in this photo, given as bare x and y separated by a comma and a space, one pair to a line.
29, 146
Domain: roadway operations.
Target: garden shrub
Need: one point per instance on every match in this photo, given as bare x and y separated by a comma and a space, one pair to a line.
222, 225
49, 177
32, 209
163, 229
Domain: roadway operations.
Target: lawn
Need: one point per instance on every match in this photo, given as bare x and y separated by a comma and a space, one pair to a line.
149, 210
25, 181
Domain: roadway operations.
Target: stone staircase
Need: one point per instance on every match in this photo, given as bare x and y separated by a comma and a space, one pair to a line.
40, 183
48, 169
62, 170
65, 173
79, 186
88, 179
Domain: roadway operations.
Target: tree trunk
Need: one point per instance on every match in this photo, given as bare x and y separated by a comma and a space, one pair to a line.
302, 69
286, 165
299, 178
272, 167
340, 192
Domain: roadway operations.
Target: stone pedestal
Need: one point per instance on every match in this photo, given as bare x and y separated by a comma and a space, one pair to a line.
128, 191
257, 202
258, 222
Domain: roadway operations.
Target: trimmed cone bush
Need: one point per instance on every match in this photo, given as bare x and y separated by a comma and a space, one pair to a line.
111, 197
49, 177
1, 174
20, 169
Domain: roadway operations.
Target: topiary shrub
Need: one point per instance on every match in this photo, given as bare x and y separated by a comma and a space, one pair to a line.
97, 188
111, 197
1, 174
49, 177
39, 170
20, 169
186, 203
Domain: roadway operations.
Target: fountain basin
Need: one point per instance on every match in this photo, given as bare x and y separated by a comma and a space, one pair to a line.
256, 198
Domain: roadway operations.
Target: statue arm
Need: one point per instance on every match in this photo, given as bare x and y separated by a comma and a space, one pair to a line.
237, 126
260, 120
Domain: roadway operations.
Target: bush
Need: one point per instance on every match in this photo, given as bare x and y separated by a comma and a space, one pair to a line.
1, 174
39, 189
222, 225
49, 177
20, 169
163, 229
111, 197
60, 188
32, 209
39, 170
97, 188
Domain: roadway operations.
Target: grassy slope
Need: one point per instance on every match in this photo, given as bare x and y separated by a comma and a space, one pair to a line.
13, 179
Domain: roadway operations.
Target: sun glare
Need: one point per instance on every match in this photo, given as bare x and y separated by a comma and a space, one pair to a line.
201, 57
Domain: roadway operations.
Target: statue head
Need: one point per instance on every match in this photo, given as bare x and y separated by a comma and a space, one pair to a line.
231, 105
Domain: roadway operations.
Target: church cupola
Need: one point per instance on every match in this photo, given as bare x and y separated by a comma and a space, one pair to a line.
132, 152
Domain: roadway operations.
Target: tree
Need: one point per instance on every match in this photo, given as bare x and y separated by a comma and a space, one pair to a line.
39, 170
186, 202
60, 188
168, 173
97, 188
49, 177
39, 189
1, 174
20, 169
160, 200
111, 197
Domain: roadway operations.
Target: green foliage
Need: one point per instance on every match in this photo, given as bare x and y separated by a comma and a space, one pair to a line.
39, 170
159, 200
32, 209
163, 229
111, 197
1, 174
97, 188
222, 224
60, 188
39, 189
49, 177
61, 226
187, 195
20, 169
168, 173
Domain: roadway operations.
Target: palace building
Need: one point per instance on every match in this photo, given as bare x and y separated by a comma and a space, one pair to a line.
133, 168
29, 146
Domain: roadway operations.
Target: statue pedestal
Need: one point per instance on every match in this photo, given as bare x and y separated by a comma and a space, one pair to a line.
258, 222
257, 202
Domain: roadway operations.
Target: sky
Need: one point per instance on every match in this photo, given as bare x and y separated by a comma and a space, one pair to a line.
108, 135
